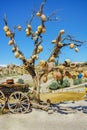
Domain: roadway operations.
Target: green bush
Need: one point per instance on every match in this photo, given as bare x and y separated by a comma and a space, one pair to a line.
77, 81
21, 81
66, 83
86, 80
80, 81
54, 85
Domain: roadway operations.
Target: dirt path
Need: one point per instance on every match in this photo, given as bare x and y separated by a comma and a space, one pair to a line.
40, 120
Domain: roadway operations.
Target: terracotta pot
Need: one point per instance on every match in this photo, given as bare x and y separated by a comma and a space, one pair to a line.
13, 49
6, 28
43, 17
21, 57
38, 51
53, 41
71, 45
17, 54
10, 42
57, 75
37, 33
85, 74
35, 57
39, 29
8, 33
52, 59
29, 27
40, 48
61, 67
72, 65
45, 79
80, 70
42, 63
19, 28
43, 30
10, 81
76, 49
38, 14
73, 76
62, 31
28, 33
60, 44
30, 60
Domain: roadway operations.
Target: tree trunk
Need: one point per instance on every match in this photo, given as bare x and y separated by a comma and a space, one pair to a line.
36, 89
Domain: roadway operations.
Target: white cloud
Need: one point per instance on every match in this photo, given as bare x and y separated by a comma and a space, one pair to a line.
2, 65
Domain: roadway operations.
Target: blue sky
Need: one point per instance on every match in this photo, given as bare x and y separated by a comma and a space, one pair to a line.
72, 16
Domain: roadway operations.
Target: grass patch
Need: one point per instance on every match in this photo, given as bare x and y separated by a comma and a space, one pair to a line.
62, 96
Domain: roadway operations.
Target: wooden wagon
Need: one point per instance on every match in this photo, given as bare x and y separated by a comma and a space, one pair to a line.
15, 97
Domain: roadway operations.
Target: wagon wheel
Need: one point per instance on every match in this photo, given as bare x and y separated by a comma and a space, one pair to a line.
18, 102
2, 100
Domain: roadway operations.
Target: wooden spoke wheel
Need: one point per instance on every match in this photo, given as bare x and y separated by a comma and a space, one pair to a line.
18, 102
2, 100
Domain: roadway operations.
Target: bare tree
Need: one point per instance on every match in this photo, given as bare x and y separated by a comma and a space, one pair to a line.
37, 37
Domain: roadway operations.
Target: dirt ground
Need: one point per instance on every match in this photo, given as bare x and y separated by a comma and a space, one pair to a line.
41, 120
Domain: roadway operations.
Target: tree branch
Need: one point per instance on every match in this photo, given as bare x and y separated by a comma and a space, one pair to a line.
42, 5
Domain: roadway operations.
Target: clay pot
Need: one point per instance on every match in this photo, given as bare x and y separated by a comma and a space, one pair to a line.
80, 70
76, 49
45, 79
39, 29
28, 33
62, 32
57, 75
50, 66
6, 28
42, 63
8, 33
38, 51
10, 81
29, 27
17, 54
60, 44
53, 41
30, 60
61, 67
85, 74
71, 45
10, 42
38, 14
19, 28
43, 30
40, 48
13, 49
43, 17
21, 57
35, 57
52, 59
73, 76
72, 65
37, 33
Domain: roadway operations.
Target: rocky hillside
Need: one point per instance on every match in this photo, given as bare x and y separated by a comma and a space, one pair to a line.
12, 69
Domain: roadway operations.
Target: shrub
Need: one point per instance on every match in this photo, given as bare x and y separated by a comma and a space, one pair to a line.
66, 83
80, 81
21, 81
54, 85
77, 81
86, 80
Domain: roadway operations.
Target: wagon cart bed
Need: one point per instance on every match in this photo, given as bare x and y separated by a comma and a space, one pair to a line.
15, 96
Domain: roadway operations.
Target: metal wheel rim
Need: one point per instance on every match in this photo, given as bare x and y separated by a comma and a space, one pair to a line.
18, 102
2, 100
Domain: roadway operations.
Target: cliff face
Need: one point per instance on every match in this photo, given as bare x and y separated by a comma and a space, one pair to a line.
12, 69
